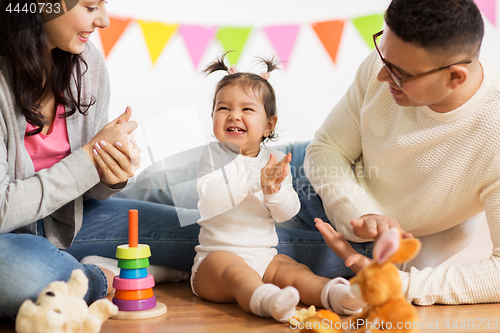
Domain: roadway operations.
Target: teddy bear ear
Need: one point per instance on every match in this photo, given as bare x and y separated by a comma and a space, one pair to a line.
78, 284
387, 245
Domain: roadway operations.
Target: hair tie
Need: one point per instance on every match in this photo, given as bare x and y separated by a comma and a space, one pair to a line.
265, 75
232, 70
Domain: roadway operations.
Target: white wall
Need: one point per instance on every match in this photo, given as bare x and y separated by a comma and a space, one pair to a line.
306, 91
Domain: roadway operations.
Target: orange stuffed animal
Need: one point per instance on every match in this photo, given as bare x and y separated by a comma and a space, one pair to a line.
379, 285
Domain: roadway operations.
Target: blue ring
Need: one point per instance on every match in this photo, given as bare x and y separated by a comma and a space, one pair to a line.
133, 273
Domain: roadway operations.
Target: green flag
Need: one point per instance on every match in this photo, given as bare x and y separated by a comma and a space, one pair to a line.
233, 39
368, 26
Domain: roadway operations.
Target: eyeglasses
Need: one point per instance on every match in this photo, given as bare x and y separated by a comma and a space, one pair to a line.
399, 80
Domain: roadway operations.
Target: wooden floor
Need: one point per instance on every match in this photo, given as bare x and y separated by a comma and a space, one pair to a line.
187, 313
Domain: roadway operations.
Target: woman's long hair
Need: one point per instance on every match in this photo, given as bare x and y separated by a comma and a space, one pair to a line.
36, 71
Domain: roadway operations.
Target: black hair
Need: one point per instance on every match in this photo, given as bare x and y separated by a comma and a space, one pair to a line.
258, 84
451, 26
36, 71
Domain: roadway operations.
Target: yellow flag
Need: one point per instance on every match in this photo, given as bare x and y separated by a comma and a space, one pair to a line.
157, 36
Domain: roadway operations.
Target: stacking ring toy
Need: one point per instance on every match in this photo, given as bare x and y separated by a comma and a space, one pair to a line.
134, 286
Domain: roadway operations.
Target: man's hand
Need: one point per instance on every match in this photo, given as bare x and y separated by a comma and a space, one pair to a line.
372, 226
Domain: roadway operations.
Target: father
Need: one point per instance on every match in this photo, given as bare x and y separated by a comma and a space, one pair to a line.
415, 142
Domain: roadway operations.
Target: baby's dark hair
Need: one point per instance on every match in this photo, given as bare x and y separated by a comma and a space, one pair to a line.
256, 83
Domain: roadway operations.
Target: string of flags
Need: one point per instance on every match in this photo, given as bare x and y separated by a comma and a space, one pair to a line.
197, 38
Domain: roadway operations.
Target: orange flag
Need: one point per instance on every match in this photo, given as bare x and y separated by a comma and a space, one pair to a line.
330, 34
111, 34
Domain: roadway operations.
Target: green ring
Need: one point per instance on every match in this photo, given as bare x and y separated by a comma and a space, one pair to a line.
133, 263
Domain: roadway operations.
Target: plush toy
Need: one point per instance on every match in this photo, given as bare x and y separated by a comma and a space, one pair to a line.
312, 321
60, 308
379, 285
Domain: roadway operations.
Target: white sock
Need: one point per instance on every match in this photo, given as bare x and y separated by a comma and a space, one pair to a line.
102, 262
337, 296
269, 300
165, 274
160, 273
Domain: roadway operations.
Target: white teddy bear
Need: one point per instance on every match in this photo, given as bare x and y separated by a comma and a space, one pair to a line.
60, 308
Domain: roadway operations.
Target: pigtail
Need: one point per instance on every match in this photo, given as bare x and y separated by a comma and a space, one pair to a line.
271, 65
217, 65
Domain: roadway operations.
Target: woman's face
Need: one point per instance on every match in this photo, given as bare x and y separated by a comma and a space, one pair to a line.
70, 31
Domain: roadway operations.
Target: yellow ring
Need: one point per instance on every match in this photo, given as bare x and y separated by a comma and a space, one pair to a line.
139, 252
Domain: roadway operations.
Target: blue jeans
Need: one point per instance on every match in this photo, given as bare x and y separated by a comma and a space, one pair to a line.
28, 263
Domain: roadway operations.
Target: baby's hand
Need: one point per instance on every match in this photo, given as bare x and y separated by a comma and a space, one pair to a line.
274, 173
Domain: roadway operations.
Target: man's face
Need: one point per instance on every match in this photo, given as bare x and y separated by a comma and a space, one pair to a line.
407, 59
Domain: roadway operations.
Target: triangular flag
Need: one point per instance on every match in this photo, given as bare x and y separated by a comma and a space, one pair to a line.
489, 9
368, 26
233, 39
111, 34
157, 36
197, 39
330, 34
283, 40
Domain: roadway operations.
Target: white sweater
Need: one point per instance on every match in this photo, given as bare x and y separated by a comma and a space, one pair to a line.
428, 170
247, 225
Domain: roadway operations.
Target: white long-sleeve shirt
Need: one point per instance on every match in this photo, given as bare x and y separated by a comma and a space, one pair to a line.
241, 219
428, 170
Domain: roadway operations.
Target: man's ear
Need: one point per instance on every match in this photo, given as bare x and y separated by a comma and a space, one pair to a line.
458, 76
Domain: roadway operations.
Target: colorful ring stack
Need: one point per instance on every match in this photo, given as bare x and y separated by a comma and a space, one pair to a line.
134, 286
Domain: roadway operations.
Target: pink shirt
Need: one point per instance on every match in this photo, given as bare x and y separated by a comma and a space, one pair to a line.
47, 150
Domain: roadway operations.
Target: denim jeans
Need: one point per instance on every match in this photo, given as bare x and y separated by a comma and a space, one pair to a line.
28, 263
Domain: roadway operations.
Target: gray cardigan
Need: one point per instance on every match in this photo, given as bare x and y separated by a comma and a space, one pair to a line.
55, 194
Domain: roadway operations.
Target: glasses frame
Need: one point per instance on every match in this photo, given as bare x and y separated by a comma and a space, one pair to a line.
399, 80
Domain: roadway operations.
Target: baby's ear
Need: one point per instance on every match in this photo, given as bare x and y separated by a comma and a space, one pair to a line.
387, 245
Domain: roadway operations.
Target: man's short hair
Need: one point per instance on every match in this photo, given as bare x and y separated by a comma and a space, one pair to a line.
452, 26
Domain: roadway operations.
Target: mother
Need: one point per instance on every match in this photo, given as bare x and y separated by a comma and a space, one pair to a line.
59, 160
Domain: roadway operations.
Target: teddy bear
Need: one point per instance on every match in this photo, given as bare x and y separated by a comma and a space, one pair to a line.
60, 308
379, 284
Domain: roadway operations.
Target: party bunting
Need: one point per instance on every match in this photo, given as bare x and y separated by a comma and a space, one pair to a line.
110, 35
197, 39
330, 34
489, 9
369, 25
157, 36
233, 39
283, 40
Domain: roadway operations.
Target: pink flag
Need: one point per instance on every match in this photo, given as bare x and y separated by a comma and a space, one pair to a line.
283, 38
197, 39
489, 9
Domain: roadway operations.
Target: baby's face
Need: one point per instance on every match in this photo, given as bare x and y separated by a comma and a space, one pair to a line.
239, 117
